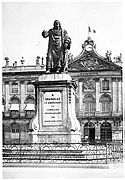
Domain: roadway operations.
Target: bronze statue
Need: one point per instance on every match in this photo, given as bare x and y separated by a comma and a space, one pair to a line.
59, 43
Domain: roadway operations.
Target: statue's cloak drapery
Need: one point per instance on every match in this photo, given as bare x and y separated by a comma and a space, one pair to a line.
56, 55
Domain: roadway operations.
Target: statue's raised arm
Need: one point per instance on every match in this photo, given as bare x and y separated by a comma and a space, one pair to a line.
58, 46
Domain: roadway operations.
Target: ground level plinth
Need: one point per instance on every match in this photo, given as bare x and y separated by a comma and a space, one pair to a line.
55, 119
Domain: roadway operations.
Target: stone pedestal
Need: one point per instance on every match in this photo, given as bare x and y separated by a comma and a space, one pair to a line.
55, 120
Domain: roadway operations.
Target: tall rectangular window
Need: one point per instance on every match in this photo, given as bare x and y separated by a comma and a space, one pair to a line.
105, 85
15, 88
89, 106
15, 131
30, 88
105, 106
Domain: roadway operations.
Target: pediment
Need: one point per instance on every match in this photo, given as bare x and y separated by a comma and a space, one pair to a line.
89, 62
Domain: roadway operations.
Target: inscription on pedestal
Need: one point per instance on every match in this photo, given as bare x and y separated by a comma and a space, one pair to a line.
52, 110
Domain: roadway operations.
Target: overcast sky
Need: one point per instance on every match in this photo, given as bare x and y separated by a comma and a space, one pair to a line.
23, 23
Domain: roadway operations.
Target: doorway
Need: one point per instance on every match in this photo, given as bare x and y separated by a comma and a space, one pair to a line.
89, 132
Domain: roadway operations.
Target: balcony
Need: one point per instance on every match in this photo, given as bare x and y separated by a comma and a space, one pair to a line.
94, 114
103, 114
89, 114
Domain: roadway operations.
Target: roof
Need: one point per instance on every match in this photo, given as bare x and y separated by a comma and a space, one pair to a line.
90, 60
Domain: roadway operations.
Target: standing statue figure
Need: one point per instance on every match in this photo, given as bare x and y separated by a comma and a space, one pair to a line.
59, 43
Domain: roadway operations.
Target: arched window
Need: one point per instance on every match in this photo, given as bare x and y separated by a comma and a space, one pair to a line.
14, 107
106, 131
105, 103
89, 103
30, 106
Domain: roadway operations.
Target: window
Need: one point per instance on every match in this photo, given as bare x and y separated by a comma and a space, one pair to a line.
15, 88
89, 106
105, 85
14, 107
30, 113
105, 106
3, 89
105, 103
15, 131
30, 106
89, 131
3, 104
106, 132
89, 103
30, 88
14, 114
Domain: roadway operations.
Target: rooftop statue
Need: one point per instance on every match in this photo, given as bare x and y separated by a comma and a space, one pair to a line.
58, 46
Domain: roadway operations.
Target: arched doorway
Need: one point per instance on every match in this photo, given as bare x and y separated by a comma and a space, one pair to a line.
106, 132
89, 131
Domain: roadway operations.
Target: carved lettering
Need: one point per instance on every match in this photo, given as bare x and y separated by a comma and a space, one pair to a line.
52, 114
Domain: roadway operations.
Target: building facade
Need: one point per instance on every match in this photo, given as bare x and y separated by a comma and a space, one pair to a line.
99, 99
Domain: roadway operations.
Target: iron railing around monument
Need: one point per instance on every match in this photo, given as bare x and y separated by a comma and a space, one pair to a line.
63, 153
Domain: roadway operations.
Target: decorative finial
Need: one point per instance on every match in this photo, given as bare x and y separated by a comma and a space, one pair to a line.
108, 55
22, 61
42, 60
7, 61
118, 58
37, 60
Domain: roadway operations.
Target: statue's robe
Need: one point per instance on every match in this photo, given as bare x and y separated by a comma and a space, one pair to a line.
56, 55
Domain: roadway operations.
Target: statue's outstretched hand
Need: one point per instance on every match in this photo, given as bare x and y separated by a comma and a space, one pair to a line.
45, 34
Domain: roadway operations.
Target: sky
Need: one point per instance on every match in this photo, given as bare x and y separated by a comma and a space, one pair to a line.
23, 23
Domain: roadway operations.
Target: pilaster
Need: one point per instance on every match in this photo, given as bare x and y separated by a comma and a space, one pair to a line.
115, 93
80, 95
97, 94
23, 96
120, 95
7, 96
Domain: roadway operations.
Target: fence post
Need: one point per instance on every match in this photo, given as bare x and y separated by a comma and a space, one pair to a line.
106, 153
40, 153
20, 153
97, 152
